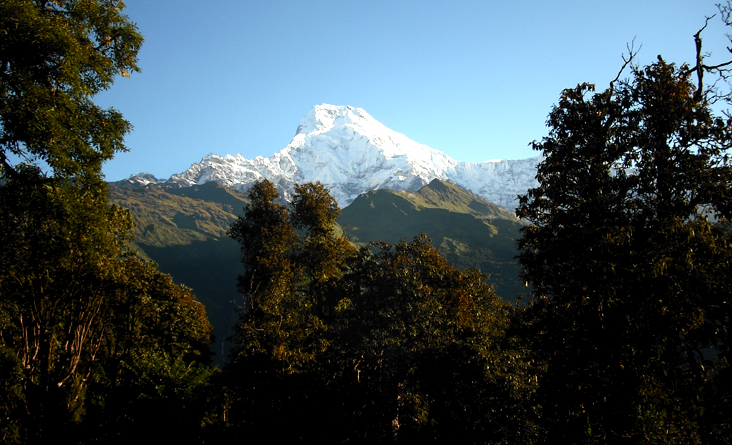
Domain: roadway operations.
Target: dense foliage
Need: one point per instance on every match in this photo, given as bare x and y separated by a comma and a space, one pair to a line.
625, 338
383, 343
628, 254
467, 230
95, 344
54, 57
83, 319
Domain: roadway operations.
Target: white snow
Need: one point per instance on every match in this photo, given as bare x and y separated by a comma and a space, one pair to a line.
351, 153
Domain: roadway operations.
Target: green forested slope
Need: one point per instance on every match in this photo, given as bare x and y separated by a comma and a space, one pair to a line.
184, 231
467, 230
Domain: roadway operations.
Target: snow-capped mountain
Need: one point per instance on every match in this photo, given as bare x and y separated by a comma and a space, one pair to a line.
351, 153
140, 180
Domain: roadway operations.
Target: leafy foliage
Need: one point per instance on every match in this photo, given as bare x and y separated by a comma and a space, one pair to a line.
91, 337
426, 355
184, 232
77, 309
628, 255
54, 56
61, 242
467, 230
153, 373
287, 276
384, 342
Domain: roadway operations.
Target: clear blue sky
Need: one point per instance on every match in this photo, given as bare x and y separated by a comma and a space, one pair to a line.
474, 79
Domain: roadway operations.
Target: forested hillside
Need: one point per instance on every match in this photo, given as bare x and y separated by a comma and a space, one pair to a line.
467, 230
183, 230
387, 342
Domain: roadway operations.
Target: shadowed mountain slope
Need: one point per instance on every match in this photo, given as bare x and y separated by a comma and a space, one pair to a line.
184, 231
468, 230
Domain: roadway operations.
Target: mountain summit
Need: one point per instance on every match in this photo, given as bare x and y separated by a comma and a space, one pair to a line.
351, 153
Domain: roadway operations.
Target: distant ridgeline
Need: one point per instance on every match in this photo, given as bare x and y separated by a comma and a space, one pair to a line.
350, 153
183, 229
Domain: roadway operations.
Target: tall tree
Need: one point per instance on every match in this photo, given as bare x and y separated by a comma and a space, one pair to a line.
79, 313
281, 331
629, 260
323, 252
424, 354
90, 335
272, 311
384, 343
61, 238
54, 57
57, 268
287, 276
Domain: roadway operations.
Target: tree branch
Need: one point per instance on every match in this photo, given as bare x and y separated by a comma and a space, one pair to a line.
699, 67
626, 61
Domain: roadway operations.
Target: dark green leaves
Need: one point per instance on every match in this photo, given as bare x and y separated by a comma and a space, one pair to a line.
386, 343
54, 57
91, 337
627, 260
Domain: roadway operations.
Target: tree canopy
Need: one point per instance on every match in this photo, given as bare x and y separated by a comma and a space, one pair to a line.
628, 255
54, 57
385, 342
625, 338
92, 338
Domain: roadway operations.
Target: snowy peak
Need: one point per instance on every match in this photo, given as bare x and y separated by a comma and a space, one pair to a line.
350, 152
324, 117
139, 180
332, 126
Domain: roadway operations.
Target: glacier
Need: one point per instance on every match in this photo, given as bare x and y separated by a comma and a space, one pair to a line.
351, 153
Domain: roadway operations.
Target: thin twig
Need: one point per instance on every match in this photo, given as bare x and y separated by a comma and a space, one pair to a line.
626, 61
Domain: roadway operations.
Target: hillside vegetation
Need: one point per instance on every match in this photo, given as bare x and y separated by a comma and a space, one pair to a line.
466, 229
184, 229
184, 232
371, 324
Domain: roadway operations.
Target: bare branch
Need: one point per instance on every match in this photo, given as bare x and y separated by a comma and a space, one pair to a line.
632, 52
717, 67
726, 12
699, 67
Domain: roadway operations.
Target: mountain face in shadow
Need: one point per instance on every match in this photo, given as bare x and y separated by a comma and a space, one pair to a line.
466, 229
183, 230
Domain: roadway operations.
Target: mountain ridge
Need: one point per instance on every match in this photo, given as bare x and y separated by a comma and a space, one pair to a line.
466, 229
352, 153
